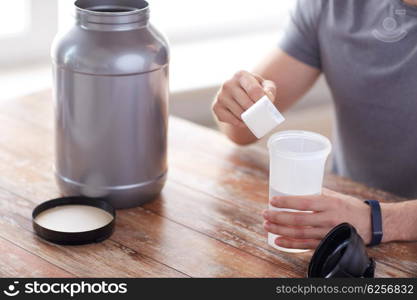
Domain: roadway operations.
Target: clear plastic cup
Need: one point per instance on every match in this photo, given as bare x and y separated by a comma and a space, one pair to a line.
296, 166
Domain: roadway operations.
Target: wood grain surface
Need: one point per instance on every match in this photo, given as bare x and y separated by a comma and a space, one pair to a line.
206, 223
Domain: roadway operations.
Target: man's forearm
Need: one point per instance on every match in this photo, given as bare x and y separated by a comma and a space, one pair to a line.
399, 221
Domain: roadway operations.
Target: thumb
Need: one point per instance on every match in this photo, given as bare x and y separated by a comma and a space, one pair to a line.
270, 89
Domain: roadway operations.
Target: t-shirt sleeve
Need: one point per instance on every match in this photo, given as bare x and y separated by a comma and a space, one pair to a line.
300, 38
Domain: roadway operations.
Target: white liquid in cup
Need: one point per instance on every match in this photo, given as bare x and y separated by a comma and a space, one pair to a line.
297, 161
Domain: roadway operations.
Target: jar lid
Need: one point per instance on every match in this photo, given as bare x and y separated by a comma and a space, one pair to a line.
74, 220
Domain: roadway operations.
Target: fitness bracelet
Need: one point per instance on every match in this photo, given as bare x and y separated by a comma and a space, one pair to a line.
376, 219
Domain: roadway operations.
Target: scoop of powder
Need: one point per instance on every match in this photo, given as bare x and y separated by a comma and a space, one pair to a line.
262, 117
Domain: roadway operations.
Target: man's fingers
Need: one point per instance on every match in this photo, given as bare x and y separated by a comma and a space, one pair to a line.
233, 106
241, 97
269, 86
226, 116
312, 203
257, 77
252, 87
296, 243
296, 232
270, 89
293, 218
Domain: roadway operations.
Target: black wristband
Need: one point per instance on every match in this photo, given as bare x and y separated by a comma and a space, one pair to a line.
376, 219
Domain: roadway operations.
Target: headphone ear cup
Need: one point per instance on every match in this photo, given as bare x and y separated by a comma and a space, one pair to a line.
342, 253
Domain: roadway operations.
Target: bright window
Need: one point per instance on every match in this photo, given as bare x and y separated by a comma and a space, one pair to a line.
14, 23
185, 20
27, 28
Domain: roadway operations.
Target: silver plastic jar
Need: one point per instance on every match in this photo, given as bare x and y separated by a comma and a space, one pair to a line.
111, 103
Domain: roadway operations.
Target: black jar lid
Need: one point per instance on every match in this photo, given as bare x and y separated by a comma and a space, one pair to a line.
98, 233
342, 253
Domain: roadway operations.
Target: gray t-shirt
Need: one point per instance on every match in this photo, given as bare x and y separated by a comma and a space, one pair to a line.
367, 50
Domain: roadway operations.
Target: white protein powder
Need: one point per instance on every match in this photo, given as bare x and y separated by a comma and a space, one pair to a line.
73, 218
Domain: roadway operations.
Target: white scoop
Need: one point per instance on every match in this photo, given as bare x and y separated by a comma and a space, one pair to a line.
262, 117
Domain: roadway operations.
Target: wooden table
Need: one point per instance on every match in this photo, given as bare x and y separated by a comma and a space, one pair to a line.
206, 223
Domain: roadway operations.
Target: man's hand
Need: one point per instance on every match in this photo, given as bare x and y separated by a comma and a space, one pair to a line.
237, 94
304, 230
240, 93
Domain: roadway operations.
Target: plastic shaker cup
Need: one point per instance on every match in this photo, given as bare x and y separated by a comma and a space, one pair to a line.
297, 161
